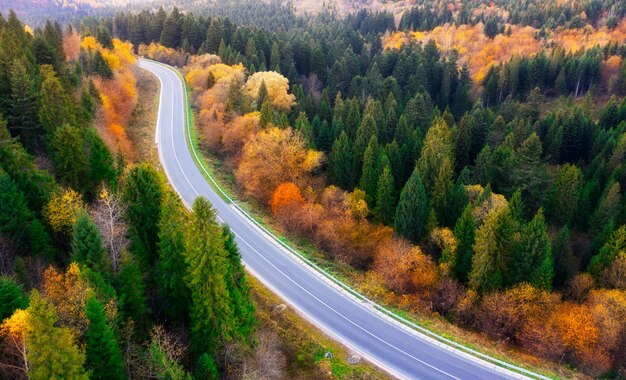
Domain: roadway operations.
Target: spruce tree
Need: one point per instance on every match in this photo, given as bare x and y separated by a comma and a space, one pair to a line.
21, 106
87, 245
564, 260
211, 315
132, 290
267, 114
239, 290
262, 96
103, 355
15, 215
370, 172
56, 107
412, 211
465, 233
143, 193
12, 297
101, 163
101, 66
533, 262
385, 197
495, 245
340, 163
171, 267
69, 157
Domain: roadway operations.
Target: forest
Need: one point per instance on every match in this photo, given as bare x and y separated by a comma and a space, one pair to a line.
468, 166
103, 272
460, 161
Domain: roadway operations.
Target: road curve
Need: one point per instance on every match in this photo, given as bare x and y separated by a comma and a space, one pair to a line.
400, 351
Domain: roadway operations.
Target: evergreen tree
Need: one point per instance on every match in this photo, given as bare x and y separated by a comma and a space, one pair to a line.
101, 163
211, 314
132, 290
104, 358
369, 178
12, 297
565, 194
262, 97
87, 244
534, 262
56, 107
529, 174
564, 260
465, 233
267, 114
340, 162
21, 105
385, 197
14, 213
39, 241
615, 246
69, 156
101, 66
143, 193
52, 352
412, 211
493, 251
239, 290
437, 147
171, 267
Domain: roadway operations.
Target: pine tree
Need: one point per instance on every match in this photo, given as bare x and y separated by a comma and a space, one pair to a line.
101, 66
267, 114
101, 163
534, 262
385, 197
340, 163
369, 178
465, 233
15, 215
21, 107
12, 297
104, 358
564, 260
56, 107
239, 290
211, 314
171, 267
493, 251
52, 351
69, 156
87, 245
262, 96
412, 211
132, 290
143, 193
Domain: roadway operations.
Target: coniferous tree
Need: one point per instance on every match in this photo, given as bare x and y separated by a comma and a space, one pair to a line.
385, 198
369, 178
465, 233
340, 162
132, 290
534, 262
493, 250
238, 288
101, 66
143, 194
262, 96
211, 314
12, 297
267, 114
69, 156
87, 245
21, 106
101, 163
171, 267
15, 215
564, 260
412, 211
104, 359
55, 107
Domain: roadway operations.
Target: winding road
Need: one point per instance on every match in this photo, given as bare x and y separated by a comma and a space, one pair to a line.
399, 350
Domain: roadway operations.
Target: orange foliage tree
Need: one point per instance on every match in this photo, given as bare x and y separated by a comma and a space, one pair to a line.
286, 194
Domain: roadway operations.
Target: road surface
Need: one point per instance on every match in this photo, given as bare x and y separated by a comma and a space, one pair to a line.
400, 351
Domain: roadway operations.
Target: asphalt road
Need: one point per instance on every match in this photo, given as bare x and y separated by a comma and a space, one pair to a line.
400, 351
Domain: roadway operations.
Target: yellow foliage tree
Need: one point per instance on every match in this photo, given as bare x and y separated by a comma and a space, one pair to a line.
62, 210
277, 89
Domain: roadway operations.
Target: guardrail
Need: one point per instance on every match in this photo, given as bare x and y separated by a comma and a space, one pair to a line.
447, 343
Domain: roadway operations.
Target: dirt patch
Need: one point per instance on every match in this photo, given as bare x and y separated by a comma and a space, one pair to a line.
141, 128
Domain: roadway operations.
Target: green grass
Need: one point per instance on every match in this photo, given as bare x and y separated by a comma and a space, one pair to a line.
309, 252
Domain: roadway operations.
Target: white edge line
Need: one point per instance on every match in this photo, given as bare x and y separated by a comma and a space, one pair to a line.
483, 359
